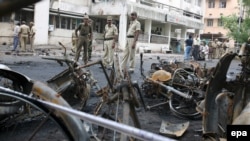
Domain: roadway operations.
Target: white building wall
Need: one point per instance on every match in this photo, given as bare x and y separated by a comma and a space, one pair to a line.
41, 17
174, 3
123, 28
77, 2
70, 7
6, 32
148, 27
117, 8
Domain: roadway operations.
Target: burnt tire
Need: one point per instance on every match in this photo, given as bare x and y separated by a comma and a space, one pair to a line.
184, 108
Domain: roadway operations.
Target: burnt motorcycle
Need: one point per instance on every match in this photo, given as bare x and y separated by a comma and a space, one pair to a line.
75, 81
181, 85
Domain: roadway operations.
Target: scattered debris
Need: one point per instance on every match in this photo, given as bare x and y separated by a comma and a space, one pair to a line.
173, 130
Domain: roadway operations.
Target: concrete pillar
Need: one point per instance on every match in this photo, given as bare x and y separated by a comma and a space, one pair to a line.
123, 26
197, 32
41, 16
183, 36
184, 33
167, 32
148, 27
122, 31
193, 2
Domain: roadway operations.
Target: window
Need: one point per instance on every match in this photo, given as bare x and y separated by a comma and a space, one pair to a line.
188, 14
220, 23
189, 1
209, 22
74, 26
5, 18
68, 23
198, 2
211, 4
57, 22
223, 4
63, 23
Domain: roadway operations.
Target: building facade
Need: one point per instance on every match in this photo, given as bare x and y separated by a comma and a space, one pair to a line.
163, 22
213, 25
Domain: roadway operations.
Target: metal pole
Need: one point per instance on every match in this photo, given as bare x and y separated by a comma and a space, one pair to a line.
239, 23
131, 131
171, 89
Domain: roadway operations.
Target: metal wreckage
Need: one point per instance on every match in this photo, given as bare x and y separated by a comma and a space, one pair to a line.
219, 100
192, 91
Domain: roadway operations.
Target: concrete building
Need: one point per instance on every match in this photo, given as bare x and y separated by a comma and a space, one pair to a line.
163, 22
213, 25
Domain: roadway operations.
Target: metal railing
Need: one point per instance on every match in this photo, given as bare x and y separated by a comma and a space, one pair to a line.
159, 39
171, 9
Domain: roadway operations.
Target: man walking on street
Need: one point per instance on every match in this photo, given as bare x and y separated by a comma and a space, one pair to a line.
83, 39
24, 35
132, 37
32, 36
16, 37
189, 44
110, 36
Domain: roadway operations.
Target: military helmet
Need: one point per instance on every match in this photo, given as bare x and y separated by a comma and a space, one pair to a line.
161, 75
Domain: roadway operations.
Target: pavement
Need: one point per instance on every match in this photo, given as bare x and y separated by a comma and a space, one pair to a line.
97, 53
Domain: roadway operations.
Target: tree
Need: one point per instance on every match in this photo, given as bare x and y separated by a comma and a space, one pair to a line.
238, 29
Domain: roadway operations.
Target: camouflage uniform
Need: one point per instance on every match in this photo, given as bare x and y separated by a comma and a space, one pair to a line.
83, 39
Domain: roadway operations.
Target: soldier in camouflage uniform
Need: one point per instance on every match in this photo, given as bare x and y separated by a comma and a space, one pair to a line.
83, 39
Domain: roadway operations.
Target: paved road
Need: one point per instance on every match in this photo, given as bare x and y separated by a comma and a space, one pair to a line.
42, 70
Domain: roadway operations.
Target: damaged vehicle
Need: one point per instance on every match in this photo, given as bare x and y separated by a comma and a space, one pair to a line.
227, 98
182, 85
29, 118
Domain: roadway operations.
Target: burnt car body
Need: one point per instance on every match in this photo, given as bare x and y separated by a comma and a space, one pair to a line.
227, 101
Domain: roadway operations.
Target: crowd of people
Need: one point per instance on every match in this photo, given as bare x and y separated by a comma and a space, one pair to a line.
82, 40
22, 35
196, 49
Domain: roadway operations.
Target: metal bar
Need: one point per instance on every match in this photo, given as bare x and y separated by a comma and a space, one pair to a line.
131, 131
125, 111
172, 89
103, 68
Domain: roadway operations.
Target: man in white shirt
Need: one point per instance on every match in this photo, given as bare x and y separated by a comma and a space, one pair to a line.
196, 48
16, 37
